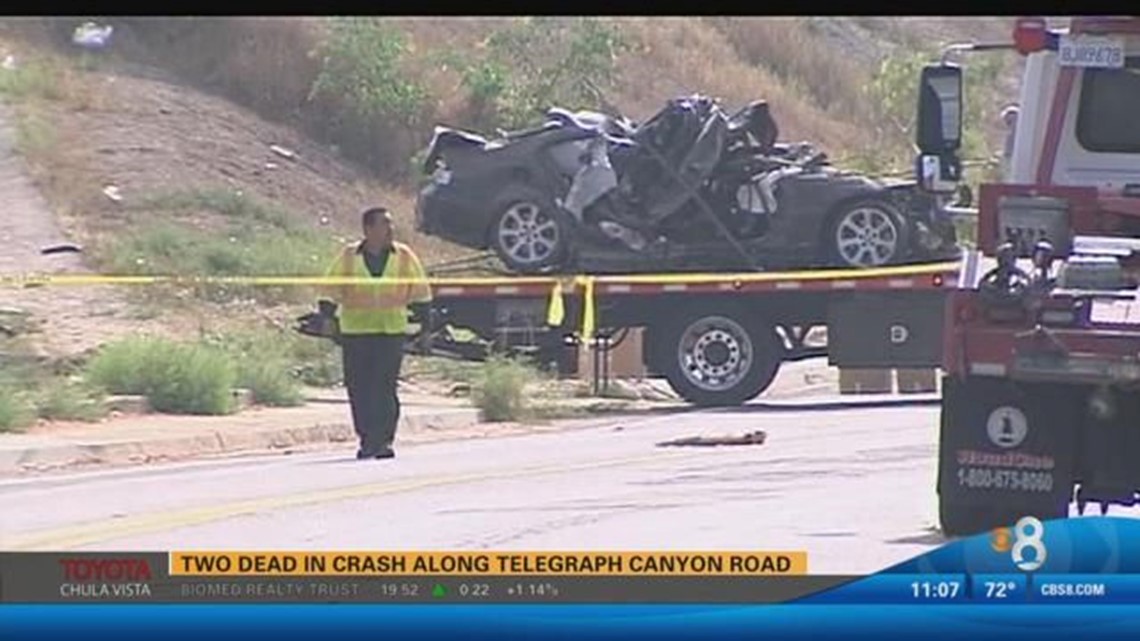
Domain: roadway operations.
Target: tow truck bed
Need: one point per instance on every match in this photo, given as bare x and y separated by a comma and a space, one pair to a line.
717, 338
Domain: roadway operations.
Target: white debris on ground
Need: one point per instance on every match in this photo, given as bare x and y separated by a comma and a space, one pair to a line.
92, 36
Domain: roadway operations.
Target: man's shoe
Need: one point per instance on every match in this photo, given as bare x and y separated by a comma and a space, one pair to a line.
363, 454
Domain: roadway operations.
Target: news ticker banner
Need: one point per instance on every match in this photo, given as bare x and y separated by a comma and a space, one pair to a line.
408, 577
1080, 560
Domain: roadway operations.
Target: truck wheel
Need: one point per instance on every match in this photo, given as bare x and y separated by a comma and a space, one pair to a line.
719, 357
529, 233
867, 233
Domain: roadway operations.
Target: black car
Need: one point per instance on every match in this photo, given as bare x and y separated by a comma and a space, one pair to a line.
689, 189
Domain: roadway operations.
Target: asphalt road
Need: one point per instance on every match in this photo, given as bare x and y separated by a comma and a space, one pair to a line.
852, 487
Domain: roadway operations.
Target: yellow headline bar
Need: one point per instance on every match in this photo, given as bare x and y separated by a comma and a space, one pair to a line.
219, 564
33, 279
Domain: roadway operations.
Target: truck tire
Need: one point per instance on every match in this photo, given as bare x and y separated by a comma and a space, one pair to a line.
985, 420
722, 356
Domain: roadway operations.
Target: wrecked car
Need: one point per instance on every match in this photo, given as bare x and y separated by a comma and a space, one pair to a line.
691, 188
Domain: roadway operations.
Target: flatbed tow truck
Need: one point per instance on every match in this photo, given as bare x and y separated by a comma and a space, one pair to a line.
1040, 352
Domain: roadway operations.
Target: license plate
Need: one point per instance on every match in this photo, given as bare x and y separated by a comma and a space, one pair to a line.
1098, 52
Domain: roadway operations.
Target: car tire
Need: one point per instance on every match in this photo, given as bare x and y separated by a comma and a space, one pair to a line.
529, 233
865, 234
720, 357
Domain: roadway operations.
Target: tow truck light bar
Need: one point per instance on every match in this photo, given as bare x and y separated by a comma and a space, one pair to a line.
1031, 35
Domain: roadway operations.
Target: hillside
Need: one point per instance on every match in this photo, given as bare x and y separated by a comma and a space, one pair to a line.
243, 145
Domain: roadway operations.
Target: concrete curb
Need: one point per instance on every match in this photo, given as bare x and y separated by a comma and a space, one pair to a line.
210, 443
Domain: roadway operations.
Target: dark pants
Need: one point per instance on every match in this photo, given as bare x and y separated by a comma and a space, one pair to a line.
371, 371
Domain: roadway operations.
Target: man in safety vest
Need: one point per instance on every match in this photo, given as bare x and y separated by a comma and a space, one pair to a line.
373, 323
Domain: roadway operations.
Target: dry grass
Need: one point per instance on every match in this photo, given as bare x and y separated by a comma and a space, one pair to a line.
665, 65
791, 51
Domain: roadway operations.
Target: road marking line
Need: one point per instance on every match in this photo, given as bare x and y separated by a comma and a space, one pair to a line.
73, 536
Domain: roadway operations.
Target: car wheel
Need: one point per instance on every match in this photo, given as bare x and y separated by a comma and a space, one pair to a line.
530, 235
869, 233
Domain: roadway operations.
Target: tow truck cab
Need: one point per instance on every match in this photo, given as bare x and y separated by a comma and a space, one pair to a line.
1041, 353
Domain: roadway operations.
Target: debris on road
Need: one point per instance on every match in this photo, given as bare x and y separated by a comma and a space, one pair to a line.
751, 438
62, 248
283, 152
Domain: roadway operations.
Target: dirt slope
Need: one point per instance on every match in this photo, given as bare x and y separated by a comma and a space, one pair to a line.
148, 135
139, 132
70, 319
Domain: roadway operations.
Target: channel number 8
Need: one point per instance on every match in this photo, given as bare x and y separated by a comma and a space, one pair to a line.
1027, 534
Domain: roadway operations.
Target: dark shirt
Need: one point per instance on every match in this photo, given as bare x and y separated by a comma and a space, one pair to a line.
375, 262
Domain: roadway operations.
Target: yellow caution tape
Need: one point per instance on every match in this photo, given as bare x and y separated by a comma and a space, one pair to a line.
588, 312
36, 279
555, 309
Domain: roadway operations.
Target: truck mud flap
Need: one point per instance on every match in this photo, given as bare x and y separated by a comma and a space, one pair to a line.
1008, 444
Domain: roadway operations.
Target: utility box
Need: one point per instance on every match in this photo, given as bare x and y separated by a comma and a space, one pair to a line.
621, 361
881, 331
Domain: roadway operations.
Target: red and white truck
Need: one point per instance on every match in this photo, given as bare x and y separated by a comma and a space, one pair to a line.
1041, 352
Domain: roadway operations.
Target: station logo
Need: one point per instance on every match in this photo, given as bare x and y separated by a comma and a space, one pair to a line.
1024, 543
105, 578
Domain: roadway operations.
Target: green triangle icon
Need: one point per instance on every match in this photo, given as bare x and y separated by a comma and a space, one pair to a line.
438, 591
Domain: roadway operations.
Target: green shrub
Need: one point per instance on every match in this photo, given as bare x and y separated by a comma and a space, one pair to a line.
537, 63
233, 204
317, 362
176, 378
30, 79
362, 62
500, 393
263, 366
366, 98
270, 382
15, 411
64, 400
258, 238
167, 249
893, 96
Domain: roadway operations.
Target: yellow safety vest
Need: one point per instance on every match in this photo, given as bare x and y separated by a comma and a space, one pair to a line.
380, 308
